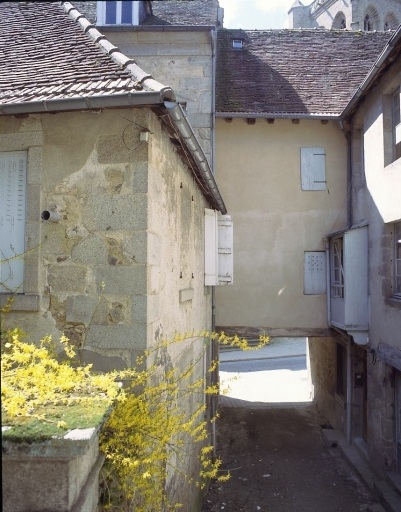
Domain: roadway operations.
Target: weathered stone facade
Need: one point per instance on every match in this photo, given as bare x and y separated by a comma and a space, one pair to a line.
337, 14
130, 238
182, 58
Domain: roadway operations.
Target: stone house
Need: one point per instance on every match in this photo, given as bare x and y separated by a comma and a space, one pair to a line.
307, 157
364, 298
104, 189
365, 15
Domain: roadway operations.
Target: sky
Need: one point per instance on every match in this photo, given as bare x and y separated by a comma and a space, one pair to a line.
256, 14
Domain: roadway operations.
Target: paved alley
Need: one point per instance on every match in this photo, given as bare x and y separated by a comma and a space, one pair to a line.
278, 463
269, 438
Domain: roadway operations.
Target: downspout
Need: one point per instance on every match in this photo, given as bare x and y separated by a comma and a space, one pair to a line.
181, 123
349, 391
214, 343
328, 288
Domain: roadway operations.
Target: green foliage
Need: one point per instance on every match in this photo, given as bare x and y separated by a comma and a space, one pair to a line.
158, 422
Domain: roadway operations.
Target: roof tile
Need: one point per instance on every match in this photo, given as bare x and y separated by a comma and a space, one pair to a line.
45, 54
293, 72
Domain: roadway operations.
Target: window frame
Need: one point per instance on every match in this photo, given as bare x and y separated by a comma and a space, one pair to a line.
337, 285
102, 13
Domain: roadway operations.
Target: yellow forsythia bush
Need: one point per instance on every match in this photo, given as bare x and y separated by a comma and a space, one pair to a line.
152, 431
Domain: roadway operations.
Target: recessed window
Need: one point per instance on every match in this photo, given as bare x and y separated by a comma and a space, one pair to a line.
118, 12
397, 259
367, 24
238, 44
337, 269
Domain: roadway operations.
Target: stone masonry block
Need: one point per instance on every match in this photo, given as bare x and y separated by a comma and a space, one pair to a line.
116, 337
135, 247
112, 149
140, 177
33, 203
20, 141
80, 308
34, 165
116, 213
67, 278
121, 280
146, 309
90, 251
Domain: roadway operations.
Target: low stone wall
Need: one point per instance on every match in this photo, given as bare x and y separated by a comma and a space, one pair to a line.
58, 475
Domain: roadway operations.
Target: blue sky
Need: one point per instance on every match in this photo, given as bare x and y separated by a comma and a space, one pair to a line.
256, 14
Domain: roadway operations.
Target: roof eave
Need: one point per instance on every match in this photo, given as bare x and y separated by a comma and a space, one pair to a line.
269, 115
134, 99
373, 74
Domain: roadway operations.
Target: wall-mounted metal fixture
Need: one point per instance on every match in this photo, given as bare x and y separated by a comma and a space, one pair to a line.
51, 216
144, 136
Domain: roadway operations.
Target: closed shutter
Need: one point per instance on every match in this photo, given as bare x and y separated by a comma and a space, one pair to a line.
225, 251
211, 259
313, 169
12, 220
315, 273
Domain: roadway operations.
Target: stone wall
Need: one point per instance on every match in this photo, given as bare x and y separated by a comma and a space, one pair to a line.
383, 14
322, 353
61, 475
183, 60
123, 268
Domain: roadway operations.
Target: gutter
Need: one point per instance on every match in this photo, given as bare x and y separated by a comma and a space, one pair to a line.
127, 99
181, 124
374, 71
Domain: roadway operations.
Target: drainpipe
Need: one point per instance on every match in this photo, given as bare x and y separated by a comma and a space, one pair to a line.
328, 288
349, 391
215, 344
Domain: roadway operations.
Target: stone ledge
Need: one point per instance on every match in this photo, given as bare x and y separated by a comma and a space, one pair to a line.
21, 302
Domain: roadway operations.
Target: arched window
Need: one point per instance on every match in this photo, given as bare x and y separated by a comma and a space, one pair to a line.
391, 22
367, 24
339, 21
371, 20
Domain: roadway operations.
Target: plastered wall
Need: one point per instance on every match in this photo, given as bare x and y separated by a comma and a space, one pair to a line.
258, 173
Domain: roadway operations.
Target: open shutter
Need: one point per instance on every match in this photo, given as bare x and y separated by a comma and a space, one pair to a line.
12, 220
313, 169
211, 259
225, 251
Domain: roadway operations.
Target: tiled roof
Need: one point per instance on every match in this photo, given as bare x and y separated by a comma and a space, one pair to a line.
45, 55
187, 12
304, 72
168, 12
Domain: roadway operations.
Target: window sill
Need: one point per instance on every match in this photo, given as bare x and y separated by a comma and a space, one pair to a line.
393, 302
20, 302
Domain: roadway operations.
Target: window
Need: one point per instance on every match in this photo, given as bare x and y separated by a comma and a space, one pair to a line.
397, 259
218, 249
367, 24
313, 169
12, 220
118, 12
396, 126
337, 269
238, 44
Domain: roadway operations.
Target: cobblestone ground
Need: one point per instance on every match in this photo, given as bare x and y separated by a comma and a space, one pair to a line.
279, 463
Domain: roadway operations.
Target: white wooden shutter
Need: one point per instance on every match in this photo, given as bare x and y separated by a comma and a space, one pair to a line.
313, 169
225, 249
211, 257
12, 220
315, 273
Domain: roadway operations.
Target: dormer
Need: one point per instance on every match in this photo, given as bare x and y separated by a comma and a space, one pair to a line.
122, 12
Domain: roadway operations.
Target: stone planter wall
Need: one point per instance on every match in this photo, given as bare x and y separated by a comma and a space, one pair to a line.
58, 475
